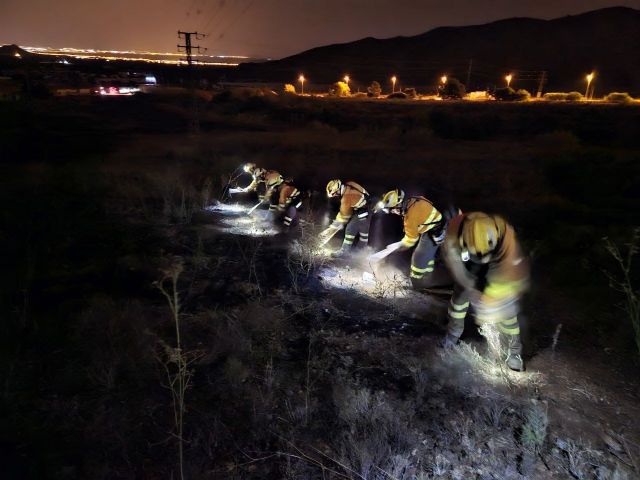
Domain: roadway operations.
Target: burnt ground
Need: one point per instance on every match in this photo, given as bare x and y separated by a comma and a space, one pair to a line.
297, 368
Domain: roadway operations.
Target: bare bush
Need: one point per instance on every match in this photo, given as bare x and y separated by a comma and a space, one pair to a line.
622, 282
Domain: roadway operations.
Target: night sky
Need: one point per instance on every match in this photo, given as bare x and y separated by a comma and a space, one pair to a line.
265, 28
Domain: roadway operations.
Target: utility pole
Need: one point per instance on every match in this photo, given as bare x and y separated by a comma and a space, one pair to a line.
188, 49
541, 82
469, 75
188, 46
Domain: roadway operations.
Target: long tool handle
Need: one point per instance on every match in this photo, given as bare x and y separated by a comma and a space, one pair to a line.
254, 207
328, 236
382, 254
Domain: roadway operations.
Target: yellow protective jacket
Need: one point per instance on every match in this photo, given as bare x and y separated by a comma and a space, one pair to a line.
288, 193
508, 269
420, 216
267, 177
354, 198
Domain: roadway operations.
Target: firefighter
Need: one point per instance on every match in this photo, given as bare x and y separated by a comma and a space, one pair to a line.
353, 215
424, 226
289, 201
270, 178
491, 274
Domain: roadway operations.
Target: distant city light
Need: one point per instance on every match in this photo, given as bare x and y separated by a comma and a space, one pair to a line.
393, 84
443, 79
170, 58
17, 54
508, 78
150, 80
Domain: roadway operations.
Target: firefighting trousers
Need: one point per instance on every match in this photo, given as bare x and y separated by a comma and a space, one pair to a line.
358, 226
458, 309
423, 260
290, 216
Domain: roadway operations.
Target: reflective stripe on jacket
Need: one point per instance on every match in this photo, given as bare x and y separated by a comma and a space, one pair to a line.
508, 269
287, 194
354, 198
420, 216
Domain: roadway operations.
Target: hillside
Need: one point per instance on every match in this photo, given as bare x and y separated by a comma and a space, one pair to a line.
605, 40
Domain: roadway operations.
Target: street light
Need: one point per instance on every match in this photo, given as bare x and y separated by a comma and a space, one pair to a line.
589, 79
301, 79
508, 79
443, 79
346, 79
393, 84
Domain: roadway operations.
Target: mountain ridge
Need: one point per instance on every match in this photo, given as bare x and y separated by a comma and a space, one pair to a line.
605, 40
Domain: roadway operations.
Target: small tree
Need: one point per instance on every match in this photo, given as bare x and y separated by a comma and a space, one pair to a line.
288, 88
340, 89
453, 89
374, 90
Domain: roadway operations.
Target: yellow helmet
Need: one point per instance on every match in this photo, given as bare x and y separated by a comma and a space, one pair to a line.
249, 167
334, 187
392, 199
481, 233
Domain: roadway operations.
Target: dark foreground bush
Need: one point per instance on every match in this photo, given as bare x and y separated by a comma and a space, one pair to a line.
397, 95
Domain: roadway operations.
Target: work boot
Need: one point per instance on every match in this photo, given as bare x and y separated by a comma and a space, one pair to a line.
449, 341
340, 253
514, 360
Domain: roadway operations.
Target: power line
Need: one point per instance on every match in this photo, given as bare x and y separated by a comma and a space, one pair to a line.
240, 15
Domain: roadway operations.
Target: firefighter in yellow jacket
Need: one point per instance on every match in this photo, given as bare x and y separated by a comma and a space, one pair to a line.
353, 215
289, 202
424, 226
491, 274
271, 180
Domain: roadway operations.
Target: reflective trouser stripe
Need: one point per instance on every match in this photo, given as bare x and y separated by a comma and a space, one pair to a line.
458, 310
458, 315
273, 208
510, 327
348, 239
287, 221
459, 307
417, 272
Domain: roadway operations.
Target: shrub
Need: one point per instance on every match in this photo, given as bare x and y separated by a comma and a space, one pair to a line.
511, 95
288, 88
397, 95
619, 97
340, 89
574, 97
452, 89
410, 92
555, 96
374, 90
